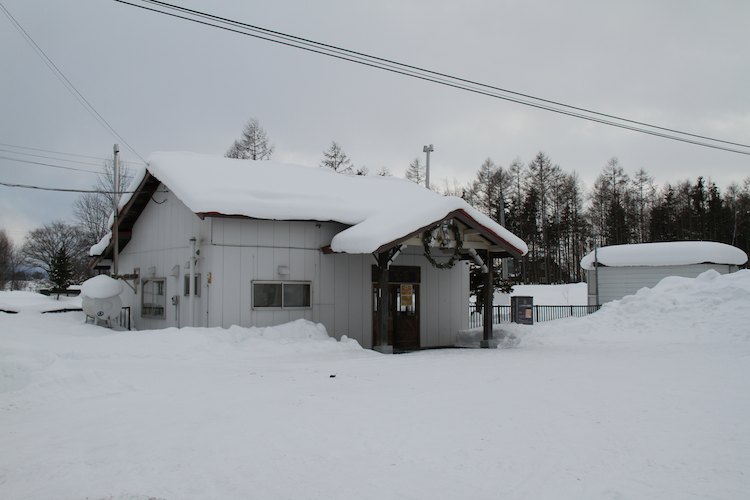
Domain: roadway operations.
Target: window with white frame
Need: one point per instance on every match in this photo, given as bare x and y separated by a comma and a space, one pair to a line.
282, 295
186, 285
154, 298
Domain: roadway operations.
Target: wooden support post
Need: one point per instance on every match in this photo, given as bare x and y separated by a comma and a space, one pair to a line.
489, 293
383, 301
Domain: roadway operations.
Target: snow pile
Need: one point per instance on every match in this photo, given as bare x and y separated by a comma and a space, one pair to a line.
101, 287
277, 191
669, 253
32, 302
710, 308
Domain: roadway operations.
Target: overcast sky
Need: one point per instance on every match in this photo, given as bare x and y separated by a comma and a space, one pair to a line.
166, 84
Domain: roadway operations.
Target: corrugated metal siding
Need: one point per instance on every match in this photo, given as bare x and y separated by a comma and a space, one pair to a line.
236, 251
617, 282
161, 240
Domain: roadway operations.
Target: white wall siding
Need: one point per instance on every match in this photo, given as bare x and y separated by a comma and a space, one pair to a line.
161, 240
617, 282
234, 252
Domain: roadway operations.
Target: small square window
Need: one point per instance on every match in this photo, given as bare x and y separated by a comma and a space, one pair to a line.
296, 294
154, 298
186, 285
266, 294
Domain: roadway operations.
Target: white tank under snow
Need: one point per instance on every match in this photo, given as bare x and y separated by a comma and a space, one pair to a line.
101, 297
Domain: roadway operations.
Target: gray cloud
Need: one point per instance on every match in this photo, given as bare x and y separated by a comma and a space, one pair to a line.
169, 85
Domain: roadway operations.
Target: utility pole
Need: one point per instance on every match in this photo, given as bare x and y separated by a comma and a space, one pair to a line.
428, 149
115, 203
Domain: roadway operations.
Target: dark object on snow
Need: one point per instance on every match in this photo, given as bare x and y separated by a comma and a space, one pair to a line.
522, 310
332, 376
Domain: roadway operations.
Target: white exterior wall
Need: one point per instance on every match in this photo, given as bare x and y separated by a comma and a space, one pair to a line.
161, 240
617, 282
237, 251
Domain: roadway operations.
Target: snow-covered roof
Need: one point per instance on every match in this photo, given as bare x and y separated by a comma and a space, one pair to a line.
101, 287
668, 253
379, 209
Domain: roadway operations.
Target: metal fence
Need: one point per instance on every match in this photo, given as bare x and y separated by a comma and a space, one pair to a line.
501, 314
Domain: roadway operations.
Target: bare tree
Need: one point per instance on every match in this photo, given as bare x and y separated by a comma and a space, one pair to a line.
55, 245
253, 144
92, 210
415, 172
453, 187
335, 159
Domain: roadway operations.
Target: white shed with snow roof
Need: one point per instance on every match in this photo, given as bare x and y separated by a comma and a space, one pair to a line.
620, 270
269, 243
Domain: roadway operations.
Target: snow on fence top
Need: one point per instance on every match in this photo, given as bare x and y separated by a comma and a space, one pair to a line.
380, 209
668, 253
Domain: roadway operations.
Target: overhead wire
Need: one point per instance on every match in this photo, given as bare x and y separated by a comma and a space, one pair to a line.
66, 82
62, 190
32, 155
79, 155
308, 41
62, 167
429, 75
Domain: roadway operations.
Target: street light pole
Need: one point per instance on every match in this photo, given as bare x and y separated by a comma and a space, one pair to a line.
428, 149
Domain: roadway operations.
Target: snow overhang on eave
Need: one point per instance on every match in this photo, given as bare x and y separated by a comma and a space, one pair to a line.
482, 237
128, 214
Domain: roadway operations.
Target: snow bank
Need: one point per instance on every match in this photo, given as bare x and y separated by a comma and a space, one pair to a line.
709, 308
32, 302
669, 253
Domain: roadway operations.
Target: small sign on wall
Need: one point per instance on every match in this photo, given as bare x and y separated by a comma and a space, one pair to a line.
407, 295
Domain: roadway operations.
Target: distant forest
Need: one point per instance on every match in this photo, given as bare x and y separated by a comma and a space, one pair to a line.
550, 210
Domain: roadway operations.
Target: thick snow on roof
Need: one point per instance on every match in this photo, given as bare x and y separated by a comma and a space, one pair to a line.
101, 287
668, 253
379, 209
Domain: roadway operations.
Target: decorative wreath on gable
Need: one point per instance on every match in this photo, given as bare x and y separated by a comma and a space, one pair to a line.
439, 234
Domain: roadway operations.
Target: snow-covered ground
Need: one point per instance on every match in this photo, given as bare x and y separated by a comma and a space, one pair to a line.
646, 399
570, 294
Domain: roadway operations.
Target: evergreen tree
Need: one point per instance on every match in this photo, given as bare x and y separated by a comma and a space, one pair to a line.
253, 144
335, 159
61, 269
542, 177
415, 172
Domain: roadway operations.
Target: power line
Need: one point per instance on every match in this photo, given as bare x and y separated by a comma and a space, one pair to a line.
62, 153
50, 165
432, 76
79, 162
66, 82
62, 190
68, 190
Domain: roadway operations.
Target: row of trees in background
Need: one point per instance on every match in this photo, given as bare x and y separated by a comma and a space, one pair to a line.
561, 222
551, 210
540, 202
